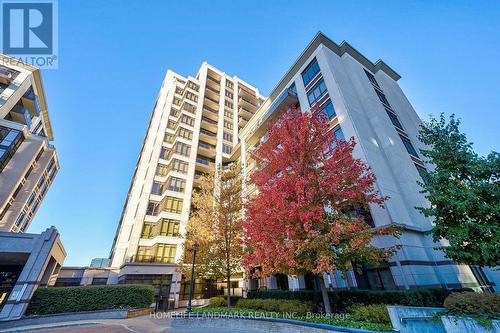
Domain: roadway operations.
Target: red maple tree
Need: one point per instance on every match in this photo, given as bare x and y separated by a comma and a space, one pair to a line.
311, 190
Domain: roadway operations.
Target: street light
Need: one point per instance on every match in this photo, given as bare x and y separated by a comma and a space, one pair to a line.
191, 285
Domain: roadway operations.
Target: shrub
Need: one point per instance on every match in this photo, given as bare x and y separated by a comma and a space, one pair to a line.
341, 300
217, 301
276, 305
91, 298
473, 303
373, 313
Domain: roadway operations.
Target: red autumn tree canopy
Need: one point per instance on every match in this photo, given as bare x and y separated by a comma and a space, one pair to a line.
311, 190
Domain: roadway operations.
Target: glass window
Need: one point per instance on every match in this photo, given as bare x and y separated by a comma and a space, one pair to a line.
328, 110
147, 230
182, 149
394, 119
169, 227
316, 92
187, 120
310, 72
152, 208
172, 205
157, 188
179, 166
422, 172
409, 147
185, 133
382, 97
226, 149
165, 253
176, 184
227, 136
372, 79
339, 135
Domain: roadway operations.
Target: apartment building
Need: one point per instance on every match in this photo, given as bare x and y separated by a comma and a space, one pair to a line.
195, 125
28, 162
28, 165
363, 100
213, 119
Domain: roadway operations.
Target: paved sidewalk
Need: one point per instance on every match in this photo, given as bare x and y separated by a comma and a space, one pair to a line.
144, 324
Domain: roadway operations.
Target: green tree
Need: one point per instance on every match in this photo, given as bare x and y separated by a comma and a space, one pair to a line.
463, 189
215, 225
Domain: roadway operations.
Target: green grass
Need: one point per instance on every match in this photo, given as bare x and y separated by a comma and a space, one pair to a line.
340, 320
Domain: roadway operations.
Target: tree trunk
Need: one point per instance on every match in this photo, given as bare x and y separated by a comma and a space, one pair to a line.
324, 294
228, 289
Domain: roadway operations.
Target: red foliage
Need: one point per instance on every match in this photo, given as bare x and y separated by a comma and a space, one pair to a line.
299, 173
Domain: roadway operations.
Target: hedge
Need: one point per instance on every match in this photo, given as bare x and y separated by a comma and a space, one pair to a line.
474, 303
341, 300
90, 298
276, 305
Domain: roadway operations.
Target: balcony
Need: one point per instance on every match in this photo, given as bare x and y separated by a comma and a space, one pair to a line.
208, 136
248, 103
242, 121
210, 102
245, 112
213, 83
208, 124
210, 113
203, 164
247, 92
206, 149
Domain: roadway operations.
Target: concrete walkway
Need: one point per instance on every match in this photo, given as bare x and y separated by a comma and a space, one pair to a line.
144, 324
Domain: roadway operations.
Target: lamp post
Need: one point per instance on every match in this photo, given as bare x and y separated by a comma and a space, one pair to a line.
191, 284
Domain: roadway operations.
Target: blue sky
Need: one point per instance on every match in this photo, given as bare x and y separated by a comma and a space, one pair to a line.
114, 54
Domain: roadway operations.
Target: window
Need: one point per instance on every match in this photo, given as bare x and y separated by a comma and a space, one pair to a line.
227, 136
10, 140
422, 172
187, 120
316, 92
147, 230
153, 208
328, 110
382, 97
189, 107
168, 138
185, 133
171, 124
229, 94
193, 86
182, 149
226, 149
174, 112
394, 119
51, 164
161, 170
164, 153
229, 84
157, 188
310, 72
191, 97
176, 184
228, 104
293, 88
371, 77
169, 227
178, 90
179, 166
172, 205
228, 114
339, 135
228, 125
165, 253
409, 147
